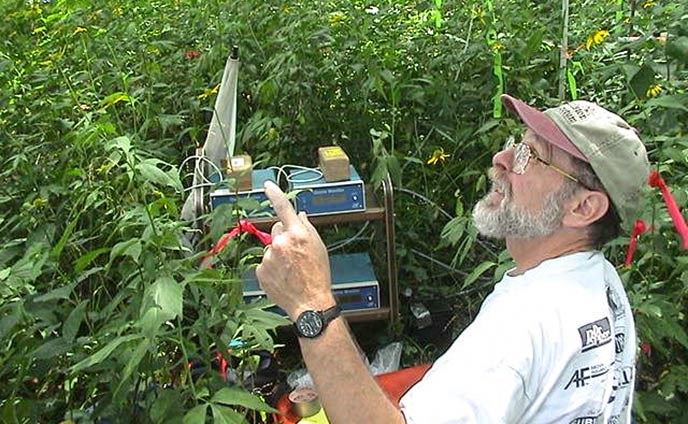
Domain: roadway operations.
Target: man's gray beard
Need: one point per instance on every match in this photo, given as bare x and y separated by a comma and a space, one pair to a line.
510, 220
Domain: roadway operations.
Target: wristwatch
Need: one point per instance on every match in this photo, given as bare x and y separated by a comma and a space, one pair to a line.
311, 324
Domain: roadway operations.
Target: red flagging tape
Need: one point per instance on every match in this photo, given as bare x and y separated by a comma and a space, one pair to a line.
243, 226
655, 180
639, 228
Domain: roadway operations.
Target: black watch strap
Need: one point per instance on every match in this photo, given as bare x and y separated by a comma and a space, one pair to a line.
330, 314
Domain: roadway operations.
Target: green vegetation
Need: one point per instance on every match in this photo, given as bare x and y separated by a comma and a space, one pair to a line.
102, 307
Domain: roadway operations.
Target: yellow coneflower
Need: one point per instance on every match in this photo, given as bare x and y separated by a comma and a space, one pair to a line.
438, 156
597, 37
653, 90
38, 202
78, 30
649, 4
209, 92
337, 18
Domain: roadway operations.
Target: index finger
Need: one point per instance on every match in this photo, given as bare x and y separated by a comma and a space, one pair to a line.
281, 205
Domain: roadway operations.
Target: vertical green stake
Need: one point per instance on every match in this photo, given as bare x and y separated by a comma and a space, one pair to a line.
497, 99
619, 13
563, 54
491, 39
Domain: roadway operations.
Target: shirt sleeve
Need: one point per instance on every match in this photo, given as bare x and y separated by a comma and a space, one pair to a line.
481, 377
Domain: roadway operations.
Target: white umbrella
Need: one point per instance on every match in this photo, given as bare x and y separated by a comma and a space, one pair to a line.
221, 139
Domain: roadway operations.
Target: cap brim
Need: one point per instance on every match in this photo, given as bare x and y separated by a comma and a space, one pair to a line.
541, 125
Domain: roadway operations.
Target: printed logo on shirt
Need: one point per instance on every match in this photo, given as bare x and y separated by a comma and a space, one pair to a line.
619, 342
595, 334
581, 376
587, 420
614, 419
622, 378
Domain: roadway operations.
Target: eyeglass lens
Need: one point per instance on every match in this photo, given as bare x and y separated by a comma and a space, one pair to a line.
521, 154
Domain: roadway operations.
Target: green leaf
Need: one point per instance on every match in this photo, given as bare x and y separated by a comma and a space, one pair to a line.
642, 80
453, 231
70, 328
57, 250
196, 415
167, 121
134, 361
573, 87
387, 75
412, 159
488, 126
52, 348
167, 407
534, 43
237, 396
675, 101
676, 155
380, 172
104, 353
8, 322
481, 183
115, 98
477, 272
85, 260
150, 172
59, 293
458, 209
677, 48
267, 319
131, 248
224, 415
394, 169
259, 334
162, 301
122, 143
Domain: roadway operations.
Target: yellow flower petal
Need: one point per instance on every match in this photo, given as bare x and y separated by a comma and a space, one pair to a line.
653, 91
209, 92
438, 156
597, 37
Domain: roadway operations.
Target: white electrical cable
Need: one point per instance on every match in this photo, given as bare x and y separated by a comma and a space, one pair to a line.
280, 170
197, 168
339, 244
302, 170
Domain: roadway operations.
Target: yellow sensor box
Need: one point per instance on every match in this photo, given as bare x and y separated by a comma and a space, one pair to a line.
239, 168
334, 163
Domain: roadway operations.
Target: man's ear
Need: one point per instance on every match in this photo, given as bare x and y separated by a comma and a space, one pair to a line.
585, 207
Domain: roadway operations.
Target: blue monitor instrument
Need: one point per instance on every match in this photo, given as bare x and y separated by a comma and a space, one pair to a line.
353, 283
318, 197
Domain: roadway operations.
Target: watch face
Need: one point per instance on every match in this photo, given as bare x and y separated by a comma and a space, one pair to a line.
309, 324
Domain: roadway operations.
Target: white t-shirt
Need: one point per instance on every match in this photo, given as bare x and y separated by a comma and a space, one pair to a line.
555, 344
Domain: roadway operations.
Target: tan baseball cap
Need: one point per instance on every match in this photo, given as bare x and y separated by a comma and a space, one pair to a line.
599, 137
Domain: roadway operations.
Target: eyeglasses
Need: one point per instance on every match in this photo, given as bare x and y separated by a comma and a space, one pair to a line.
522, 156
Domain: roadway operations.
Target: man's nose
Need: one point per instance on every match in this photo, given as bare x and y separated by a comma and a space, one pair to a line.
503, 159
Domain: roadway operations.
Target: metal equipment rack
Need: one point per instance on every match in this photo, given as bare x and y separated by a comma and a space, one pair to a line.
389, 308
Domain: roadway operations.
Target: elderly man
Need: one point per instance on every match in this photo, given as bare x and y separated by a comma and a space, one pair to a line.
554, 342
